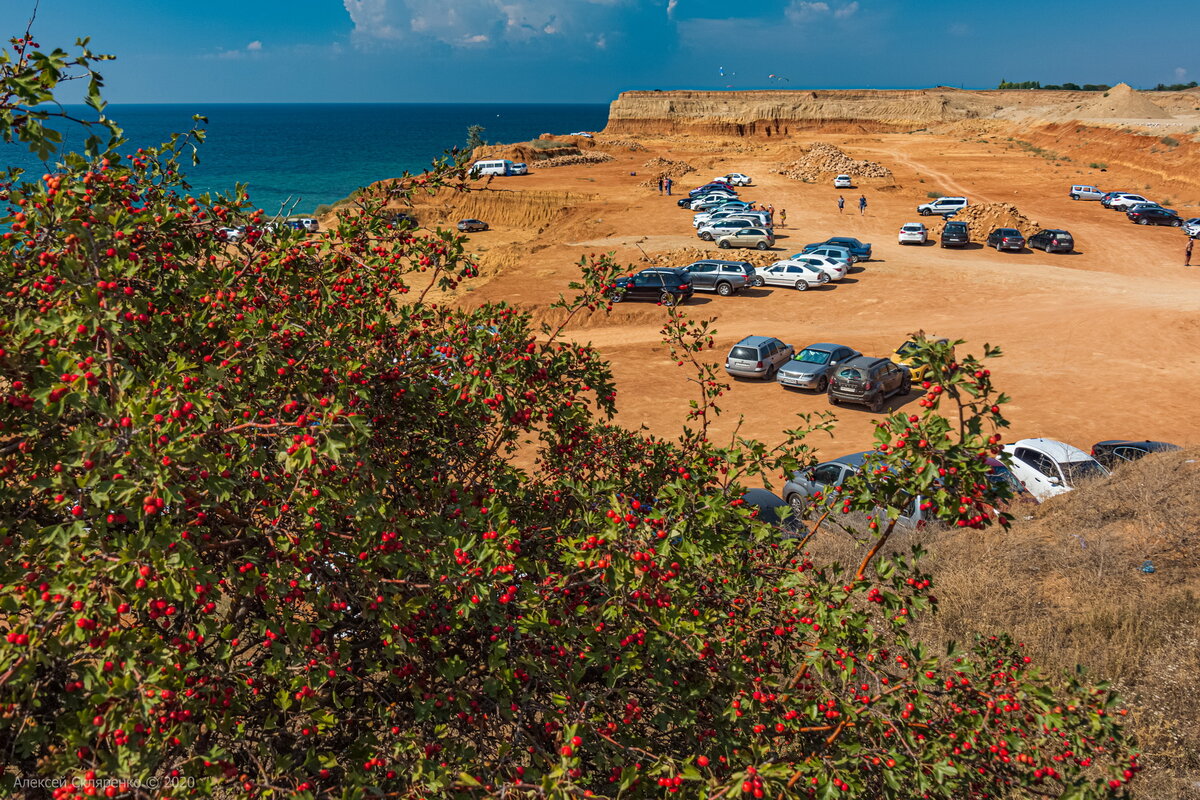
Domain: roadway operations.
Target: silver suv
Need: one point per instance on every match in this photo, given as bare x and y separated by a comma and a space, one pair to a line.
757, 357
722, 277
946, 206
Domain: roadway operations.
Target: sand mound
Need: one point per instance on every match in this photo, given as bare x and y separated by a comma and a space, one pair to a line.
629, 144
821, 160
516, 209
1122, 102
570, 161
984, 218
682, 256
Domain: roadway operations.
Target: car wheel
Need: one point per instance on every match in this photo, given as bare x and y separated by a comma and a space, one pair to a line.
876, 404
801, 286
706, 236
723, 244
1176, 223
1143, 221
616, 297
925, 212
1074, 197
823, 384
799, 507
833, 401
906, 387
667, 299
771, 370
761, 245
724, 289
757, 282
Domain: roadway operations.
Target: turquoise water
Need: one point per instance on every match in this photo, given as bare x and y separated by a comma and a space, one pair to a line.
310, 154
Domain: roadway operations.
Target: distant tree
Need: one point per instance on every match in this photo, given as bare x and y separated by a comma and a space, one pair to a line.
1096, 87
1019, 85
1071, 87
1174, 87
475, 137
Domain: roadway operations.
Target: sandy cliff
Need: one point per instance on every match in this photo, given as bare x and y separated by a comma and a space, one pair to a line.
784, 112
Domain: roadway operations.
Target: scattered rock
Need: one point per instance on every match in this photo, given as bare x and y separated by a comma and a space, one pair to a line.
571, 160
822, 160
984, 218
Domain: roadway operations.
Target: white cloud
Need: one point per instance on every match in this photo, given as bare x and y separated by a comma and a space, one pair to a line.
1180, 73
254, 46
481, 22
800, 12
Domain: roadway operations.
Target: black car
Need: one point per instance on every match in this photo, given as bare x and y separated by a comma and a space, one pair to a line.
666, 286
1052, 241
1113, 452
869, 382
955, 234
1006, 239
1149, 215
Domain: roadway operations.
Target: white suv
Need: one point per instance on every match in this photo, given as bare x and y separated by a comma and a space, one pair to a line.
1124, 202
946, 206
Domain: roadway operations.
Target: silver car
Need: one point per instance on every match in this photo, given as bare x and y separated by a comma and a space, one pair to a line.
827, 478
760, 238
810, 368
757, 357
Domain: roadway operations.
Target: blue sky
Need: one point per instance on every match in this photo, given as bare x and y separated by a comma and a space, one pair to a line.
588, 50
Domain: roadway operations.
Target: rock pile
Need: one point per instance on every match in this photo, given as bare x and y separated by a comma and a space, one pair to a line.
628, 144
822, 160
984, 218
682, 256
581, 158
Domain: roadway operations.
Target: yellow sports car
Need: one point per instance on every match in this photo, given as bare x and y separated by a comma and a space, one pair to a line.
903, 357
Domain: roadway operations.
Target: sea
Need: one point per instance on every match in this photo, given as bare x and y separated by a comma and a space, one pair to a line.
297, 157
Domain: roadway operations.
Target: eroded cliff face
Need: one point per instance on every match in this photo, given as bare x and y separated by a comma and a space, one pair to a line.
780, 113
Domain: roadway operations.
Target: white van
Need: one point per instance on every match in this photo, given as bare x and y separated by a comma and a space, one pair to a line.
1082, 192
497, 166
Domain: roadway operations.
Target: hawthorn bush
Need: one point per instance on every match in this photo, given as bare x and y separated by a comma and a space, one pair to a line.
264, 533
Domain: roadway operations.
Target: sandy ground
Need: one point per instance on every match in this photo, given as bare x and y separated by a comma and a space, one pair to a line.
1103, 343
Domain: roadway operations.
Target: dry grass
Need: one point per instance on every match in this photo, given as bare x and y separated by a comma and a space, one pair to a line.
1068, 583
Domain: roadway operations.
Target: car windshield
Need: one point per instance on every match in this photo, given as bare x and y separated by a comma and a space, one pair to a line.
1001, 475
850, 374
906, 349
744, 353
810, 356
1075, 471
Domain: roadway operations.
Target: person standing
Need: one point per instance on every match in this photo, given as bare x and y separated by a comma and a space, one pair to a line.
660, 185
783, 217
862, 204
668, 185
841, 203
771, 215
1187, 252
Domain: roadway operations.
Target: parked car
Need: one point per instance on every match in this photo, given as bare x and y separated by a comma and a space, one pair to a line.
403, 219
1052, 240
1001, 474
761, 218
710, 230
1047, 467
472, 225
1141, 206
811, 367
722, 277
757, 357
584, 134
1107, 197
735, 179
836, 269
768, 507
861, 250
946, 206
231, 234
1006, 239
904, 357
832, 251
1084, 192
729, 206
1154, 216
913, 233
518, 168
868, 381
713, 186
791, 274
843, 182
711, 201
1113, 452
827, 479
308, 224
1192, 227
293, 224
1123, 202
955, 234
760, 238
685, 202
662, 285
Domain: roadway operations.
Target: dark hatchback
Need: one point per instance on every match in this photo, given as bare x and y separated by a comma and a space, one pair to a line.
1154, 216
869, 382
1052, 241
955, 234
1006, 239
665, 286
1113, 452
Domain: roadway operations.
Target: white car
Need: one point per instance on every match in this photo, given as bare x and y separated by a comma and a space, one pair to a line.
1192, 227
1124, 202
835, 269
1047, 467
792, 274
707, 202
734, 179
914, 233
231, 234
843, 182
584, 134
758, 218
